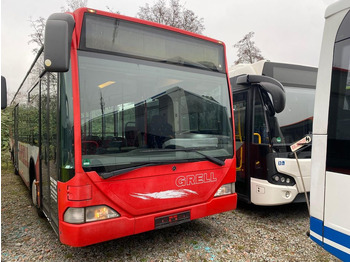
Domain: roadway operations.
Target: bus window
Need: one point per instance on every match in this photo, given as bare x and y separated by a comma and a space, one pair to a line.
260, 128
339, 110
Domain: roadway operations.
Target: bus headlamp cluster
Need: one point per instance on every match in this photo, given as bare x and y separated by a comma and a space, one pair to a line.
226, 190
280, 179
79, 215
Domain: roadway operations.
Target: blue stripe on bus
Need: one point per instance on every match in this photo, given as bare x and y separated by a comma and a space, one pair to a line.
337, 237
342, 239
338, 253
316, 226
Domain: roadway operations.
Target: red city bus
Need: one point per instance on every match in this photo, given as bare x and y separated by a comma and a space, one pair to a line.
122, 126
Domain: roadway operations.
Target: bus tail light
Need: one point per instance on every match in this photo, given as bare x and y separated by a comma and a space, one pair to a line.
81, 215
226, 190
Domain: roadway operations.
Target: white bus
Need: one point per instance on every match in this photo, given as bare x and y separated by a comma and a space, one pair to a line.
330, 169
267, 172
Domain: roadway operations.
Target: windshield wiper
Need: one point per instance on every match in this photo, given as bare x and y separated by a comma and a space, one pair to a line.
135, 166
121, 171
117, 172
210, 158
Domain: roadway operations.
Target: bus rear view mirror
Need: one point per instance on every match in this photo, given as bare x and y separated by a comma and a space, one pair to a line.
58, 37
3, 93
270, 85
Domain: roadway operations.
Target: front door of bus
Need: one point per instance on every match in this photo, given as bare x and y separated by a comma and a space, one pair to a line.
48, 147
240, 105
252, 145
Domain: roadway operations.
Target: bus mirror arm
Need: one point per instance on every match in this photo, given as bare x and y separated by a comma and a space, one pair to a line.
58, 37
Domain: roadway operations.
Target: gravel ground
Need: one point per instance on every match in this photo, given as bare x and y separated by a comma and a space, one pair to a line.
249, 233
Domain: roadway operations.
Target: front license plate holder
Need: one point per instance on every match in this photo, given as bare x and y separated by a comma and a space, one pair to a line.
171, 220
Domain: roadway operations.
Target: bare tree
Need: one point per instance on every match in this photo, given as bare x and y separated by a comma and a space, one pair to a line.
112, 10
175, 15
37, 37
247, 51
38, 25
73, 5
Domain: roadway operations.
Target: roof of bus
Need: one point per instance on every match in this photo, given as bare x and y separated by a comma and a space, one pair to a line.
337, 7
257, 68
250, 69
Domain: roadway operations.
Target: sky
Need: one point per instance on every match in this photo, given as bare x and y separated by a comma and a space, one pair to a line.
285, 31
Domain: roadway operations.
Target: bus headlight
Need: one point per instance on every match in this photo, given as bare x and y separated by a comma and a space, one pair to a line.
100, 213
81, 215
226, 190
282, 179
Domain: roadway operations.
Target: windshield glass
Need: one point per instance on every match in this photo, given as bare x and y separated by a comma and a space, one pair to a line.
131, 110
111, 35
295, 120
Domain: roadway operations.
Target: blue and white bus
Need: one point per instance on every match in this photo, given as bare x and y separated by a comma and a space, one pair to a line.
330, 168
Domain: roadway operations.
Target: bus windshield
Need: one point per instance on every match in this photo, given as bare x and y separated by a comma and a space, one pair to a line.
132, 110
295, 121
299, 82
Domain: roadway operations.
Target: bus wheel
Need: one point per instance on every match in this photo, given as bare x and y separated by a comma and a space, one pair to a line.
35, 199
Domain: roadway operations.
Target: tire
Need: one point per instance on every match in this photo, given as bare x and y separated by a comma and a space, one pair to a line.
34, 194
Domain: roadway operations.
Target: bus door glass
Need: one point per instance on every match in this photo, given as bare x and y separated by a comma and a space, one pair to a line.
240, 104
48, 146
259, 148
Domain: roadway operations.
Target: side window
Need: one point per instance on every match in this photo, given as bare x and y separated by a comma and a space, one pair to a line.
23, 122
33, 115
260, 127
338, 158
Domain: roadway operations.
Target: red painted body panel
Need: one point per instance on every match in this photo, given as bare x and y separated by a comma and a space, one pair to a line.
138, 214
154, 189
95, 232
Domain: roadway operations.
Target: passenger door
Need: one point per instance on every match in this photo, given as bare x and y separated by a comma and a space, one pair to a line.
48, 147
259, 147
241, 107
252, 140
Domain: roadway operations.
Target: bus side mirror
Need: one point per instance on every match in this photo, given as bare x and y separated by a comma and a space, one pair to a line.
270, 85
277, 93
58, 37
3, 93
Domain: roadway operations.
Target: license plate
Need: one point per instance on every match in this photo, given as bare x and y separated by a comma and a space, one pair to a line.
173, 219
